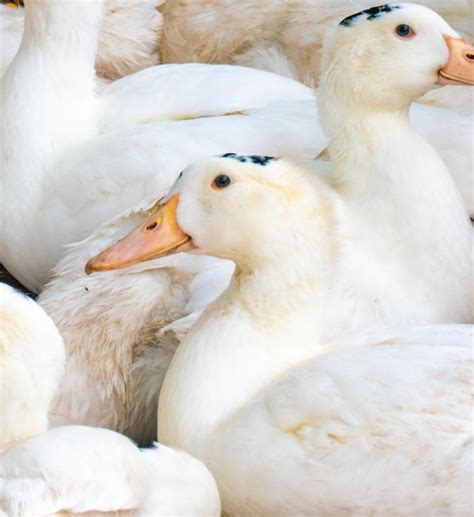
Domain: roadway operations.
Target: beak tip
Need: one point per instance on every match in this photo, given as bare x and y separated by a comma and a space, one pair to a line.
90, 267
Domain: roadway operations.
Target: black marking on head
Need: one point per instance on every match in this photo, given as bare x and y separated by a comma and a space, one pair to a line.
261, 160
251, 158
372, 14
234, 156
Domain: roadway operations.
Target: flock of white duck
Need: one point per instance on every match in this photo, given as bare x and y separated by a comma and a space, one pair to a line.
299, 304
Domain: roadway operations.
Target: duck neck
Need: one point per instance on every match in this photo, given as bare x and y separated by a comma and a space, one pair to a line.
48, 92
267, 321
357, 135
376, 152
64, 28
386, 171
403, 212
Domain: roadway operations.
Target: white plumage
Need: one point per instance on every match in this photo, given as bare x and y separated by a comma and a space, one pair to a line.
384, 429
31, 365
83, 469
73, 468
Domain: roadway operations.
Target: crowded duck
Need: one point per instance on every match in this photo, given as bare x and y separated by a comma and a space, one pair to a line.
256, 393
395, 272
252, 294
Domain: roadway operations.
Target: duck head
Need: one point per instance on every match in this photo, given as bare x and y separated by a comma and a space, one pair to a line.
244, 208
392, 54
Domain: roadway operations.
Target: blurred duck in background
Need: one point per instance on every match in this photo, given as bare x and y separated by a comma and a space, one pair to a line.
128, 40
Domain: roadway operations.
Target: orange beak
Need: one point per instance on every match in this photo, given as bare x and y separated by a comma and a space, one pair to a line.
158, 236
460, 67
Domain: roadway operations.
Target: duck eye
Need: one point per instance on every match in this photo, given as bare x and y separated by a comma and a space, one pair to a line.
404, 31
221, 181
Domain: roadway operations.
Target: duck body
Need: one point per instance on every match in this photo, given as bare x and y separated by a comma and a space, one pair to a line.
31, 364
333, 444
79, 469
323, 434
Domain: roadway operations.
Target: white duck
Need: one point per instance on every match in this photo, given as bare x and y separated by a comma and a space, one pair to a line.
74, 468
284, 36
290, 424
394, 185
128, 40
85, 148
126, 315
77, 469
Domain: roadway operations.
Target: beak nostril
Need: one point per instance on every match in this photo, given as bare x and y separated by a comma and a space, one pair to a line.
151, 226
